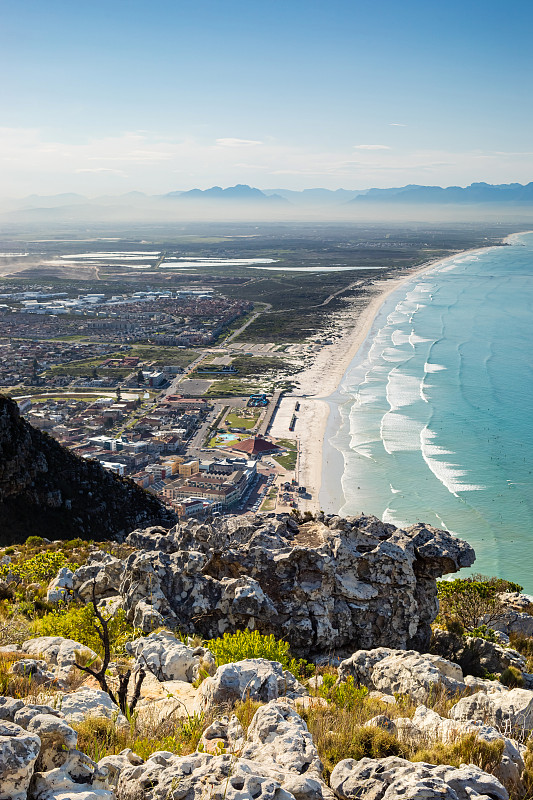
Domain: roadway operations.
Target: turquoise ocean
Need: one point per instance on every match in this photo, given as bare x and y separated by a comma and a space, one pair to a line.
433, 421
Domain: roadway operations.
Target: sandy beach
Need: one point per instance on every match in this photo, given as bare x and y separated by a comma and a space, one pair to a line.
320, 381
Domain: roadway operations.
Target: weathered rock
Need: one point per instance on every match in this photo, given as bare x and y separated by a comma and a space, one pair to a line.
430, 726
27, 713
57, 738
86, 703
336, 584
35, 669
255, 678
60, 586
225, 732
60, 653
112, 766
9, 707
393, 777
278, 762
475, 655
18, 754
169, 659
102, 570
510, 712
146, 618
402, 672
77, 779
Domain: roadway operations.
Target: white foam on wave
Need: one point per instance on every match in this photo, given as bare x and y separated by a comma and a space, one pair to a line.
433, 367
399, 433
402, 390
393, 490
449, 474
392, 354
399, 337
414, 338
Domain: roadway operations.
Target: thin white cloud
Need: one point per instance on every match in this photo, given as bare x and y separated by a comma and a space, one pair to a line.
371, 147
397, 125
102, 169
231, 142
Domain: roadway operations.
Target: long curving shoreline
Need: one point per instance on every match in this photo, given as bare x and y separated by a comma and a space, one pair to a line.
319, 397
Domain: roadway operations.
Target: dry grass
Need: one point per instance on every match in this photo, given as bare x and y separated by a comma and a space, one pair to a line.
17, 686
99, 737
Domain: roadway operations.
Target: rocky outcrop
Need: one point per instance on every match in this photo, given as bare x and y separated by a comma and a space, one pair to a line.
18, 754
402, 672
511, 712
278, 762
61, 655
254, 678
475, 655
393, 777
47, 490
327, 585
169, 659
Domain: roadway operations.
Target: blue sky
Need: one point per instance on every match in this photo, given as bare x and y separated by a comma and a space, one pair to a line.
110, 97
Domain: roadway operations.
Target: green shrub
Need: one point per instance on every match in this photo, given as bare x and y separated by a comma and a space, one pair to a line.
471, 602
34, 541
483, 632
79, 623
512, 677
344, 695
252, 644
41, 567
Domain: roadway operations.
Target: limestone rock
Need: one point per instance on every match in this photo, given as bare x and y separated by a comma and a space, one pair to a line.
330, 584
36, 669
394, 777
402, 672
9, 707
255, 678
18, 754
57, 738
475, 655
169, 659
225, 732
510, 712
27, 713
147, 618
86, 703
112, 766
60, 653
60, 586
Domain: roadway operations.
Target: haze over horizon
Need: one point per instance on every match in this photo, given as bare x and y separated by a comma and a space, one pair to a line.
117, 97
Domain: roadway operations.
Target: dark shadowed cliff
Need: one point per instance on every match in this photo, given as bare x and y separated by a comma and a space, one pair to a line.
46, 490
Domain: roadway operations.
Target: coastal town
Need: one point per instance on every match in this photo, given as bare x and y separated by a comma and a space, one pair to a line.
147, 384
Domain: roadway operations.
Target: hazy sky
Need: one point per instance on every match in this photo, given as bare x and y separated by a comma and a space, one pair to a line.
119, 95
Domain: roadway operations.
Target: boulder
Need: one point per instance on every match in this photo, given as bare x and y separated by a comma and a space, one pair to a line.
402, 672
147, 618
475, 655
60, 653
9, 707
394, 777
101, 569
86, 703
57, 738
430, 726
510, 712
254, 678
18, 754
169, 659
112, 766
60, 587
330, 584
27, 713
225, 732
36, 669
279, 761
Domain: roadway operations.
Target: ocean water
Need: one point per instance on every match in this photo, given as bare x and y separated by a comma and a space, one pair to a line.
433, 419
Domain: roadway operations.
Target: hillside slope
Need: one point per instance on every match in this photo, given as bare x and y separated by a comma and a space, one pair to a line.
48, 491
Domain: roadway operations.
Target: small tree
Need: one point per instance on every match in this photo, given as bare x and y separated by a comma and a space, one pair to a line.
121, 699
472, 602
140, 376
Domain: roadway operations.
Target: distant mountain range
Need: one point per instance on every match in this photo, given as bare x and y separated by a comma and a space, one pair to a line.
234, 200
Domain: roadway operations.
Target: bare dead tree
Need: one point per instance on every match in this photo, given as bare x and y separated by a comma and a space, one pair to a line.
101, 626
